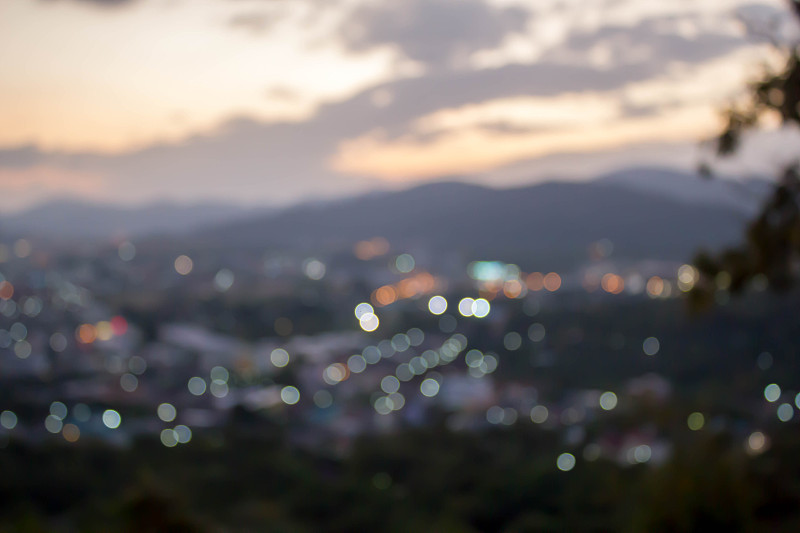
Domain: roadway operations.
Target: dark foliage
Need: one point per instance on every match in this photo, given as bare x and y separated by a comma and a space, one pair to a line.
771, 251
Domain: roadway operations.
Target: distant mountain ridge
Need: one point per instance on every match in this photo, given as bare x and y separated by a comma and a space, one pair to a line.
75, 219
552, 223
646, 213
745, 195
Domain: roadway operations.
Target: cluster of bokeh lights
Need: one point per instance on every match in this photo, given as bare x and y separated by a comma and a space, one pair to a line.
397, 384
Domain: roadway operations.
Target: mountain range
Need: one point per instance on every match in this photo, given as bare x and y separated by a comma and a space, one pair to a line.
545, 225
645, 213
79, 220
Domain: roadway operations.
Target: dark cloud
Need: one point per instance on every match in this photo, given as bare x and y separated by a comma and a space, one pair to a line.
434, 32
416, 97
651, 40
20, 157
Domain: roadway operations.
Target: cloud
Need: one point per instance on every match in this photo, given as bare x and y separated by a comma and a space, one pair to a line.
254, 22
281, 162
100, 3
467, 149
666, 39
434, 32
416, 97
20, 157
281, 92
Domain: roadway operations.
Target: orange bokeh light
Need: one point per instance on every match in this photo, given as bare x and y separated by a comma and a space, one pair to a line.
6, 290
552, 282
427, 281
513, 288
71, 433
655, 286
86, 333
410, 287
535, 281
612, 283
385, 295
366, 250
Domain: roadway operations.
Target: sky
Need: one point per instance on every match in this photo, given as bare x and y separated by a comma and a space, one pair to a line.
271, 102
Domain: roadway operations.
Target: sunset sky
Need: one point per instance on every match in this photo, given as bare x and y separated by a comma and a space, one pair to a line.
276, 101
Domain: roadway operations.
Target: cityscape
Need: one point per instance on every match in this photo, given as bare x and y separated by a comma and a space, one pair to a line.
451, 266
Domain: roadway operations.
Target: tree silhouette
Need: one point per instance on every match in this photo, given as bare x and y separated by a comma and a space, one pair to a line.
770, 253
